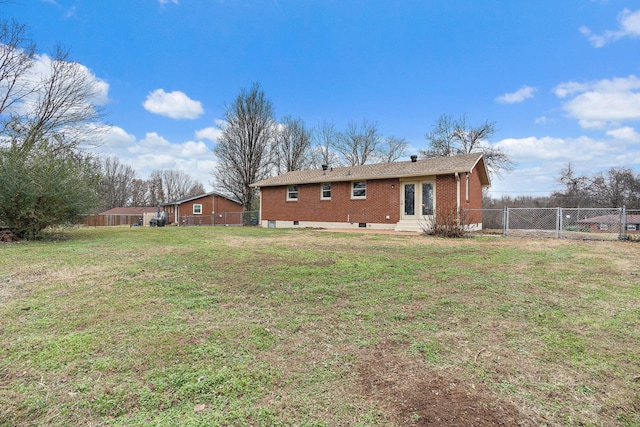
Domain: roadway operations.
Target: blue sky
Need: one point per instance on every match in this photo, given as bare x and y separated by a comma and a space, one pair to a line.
561, 79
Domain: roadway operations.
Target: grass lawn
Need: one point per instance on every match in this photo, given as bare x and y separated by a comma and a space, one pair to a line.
207, 326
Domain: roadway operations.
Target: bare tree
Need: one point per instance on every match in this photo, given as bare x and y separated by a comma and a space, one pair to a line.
53, 100
115, 183
391, 149
168, 185
16, 59
325, 137
291, 149
139, 193
450, 136
196, 189
156, 188
243, 149
618, 187
576, 189
358, 144
442, 138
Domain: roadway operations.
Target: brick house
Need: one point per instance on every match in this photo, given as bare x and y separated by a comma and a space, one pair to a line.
206, 209
399, 196
611, 224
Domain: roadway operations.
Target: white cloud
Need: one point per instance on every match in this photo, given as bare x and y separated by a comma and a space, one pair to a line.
629, 27
626, 133
175, 105
541, 120
210, 133
156, 152
525, 92
602, 103
168, 1
547, 148
538, 160
116, 138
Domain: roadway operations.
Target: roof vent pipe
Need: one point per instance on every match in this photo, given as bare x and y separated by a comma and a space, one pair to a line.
414, 158
325, 167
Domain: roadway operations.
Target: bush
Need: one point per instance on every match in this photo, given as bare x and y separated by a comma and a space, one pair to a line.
42, 188
447, 222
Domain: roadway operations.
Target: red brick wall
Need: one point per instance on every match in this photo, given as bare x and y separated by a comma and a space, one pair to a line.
446, 196
475, 198
382, 200
446, 188
209, 204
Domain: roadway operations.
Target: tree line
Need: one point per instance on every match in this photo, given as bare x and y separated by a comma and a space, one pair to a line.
118, 185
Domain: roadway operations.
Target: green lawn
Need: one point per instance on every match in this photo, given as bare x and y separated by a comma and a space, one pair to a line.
260, 327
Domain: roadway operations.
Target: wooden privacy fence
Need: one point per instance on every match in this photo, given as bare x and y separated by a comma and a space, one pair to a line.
111, 220
246, 218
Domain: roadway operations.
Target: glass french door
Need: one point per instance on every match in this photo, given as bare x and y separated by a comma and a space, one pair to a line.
417, 199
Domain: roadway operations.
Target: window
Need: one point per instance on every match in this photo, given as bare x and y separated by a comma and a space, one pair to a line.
632, 227
427, 198
603, 226
197, 209
292, 192
359, 190
326, 192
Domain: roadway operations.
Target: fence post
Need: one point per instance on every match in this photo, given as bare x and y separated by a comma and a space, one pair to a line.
505, 221
623, 223
559, 223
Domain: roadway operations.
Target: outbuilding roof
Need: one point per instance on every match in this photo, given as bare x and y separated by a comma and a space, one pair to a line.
425, 167
199, 196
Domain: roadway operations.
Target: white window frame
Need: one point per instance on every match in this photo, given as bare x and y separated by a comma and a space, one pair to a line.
632, 227
603, 226
292, 190
353, 190
197, 209
322, 190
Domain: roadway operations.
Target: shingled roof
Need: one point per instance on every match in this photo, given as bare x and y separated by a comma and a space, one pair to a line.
426, 167
199, 196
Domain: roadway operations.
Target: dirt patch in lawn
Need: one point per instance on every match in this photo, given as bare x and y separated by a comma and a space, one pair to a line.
410, 393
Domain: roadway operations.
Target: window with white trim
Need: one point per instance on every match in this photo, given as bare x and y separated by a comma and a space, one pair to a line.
292, 192
359, 190
197, 209
632, 227
325, 192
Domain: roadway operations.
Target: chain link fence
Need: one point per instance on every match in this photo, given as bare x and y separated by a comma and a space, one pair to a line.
572, 223
246, 218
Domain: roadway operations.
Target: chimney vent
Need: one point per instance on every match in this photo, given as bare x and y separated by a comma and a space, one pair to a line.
414, 158
325, 167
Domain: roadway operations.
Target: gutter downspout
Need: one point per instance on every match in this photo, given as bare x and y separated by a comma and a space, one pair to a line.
260, 212
457, 191
458, 197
